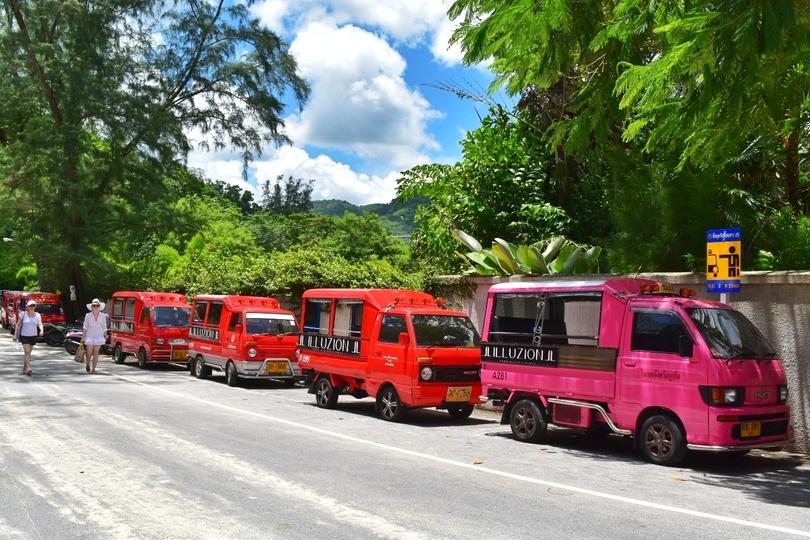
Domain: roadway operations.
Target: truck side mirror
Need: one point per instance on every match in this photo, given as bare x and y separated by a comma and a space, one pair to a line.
237, 329
404, 339
685, 346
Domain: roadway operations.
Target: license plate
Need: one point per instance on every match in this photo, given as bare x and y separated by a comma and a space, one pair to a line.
750, 429
179, 354
459, 393
278, 367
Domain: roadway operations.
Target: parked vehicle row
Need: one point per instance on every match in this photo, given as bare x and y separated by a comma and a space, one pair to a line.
632, 357
49, 306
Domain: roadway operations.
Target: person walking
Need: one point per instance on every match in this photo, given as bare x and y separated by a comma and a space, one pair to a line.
28, 329
95, 333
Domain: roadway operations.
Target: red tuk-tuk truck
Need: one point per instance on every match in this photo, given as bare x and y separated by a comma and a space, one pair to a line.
152, 326
402, 347
49, 307
246, 337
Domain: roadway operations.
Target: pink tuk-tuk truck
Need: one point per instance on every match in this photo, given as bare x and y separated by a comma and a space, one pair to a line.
636, 358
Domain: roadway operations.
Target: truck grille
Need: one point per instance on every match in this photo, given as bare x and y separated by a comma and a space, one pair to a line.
457, 373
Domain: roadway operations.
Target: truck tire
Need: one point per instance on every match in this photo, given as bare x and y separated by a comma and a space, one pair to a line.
389, 406
662, 440
231, 375
201, 371
118, 354
460, 412
326, 395
527, 421
142, 359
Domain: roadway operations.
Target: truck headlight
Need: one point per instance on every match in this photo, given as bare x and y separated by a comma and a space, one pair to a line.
426, 373
177, 342
252, 352
159, 341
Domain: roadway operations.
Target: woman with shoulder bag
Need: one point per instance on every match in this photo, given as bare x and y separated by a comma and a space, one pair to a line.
28, 329
95, 333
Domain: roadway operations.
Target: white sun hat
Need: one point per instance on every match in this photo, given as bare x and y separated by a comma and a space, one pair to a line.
96, 302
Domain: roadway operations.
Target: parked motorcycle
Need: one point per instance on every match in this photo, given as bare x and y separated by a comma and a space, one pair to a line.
54, 334
74, 336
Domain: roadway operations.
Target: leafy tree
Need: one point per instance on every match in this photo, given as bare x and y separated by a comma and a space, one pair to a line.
97, 98
363, 237
240, 197
280, 232
499, 189
287, 196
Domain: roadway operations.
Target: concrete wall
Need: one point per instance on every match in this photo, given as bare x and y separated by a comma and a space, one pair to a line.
778, 303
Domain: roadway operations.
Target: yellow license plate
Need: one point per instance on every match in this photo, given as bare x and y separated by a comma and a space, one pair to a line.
459, 393
179, 354
278, 367
750, 429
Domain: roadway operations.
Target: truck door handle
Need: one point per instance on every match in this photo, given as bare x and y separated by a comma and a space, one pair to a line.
630, 363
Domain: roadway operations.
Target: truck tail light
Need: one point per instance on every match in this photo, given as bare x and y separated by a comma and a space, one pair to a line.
722, 396
783, 394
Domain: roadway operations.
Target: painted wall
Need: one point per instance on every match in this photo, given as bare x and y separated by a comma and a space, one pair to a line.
778, 303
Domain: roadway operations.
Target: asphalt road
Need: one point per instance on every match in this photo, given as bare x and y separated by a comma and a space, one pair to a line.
156, 453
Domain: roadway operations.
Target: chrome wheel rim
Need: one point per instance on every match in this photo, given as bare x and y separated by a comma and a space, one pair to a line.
524, 422
659, 441
323, 392
390, 404
198, 367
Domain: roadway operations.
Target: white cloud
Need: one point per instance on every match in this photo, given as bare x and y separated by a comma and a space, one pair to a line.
411, 22
360, 101
333, 180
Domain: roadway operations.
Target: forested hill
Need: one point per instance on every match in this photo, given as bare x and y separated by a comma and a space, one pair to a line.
397, 216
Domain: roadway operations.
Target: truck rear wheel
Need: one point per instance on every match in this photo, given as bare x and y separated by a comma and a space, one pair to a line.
201, 371
326, 395
662, 440
118, 354
460, 411
389, 406
527, 421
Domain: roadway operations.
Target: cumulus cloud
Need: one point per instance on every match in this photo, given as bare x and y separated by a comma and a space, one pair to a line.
333, 180
360, 101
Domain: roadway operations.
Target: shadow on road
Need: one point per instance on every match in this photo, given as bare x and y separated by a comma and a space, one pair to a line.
426, 418
773, 477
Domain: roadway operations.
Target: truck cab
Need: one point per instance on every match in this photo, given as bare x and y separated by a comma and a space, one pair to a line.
152, 326
633, 357
245, 337
404, 348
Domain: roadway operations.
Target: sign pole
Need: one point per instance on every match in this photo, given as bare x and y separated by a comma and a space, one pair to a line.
724, 298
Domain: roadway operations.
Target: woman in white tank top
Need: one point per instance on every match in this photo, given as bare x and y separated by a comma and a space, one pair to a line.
28, 329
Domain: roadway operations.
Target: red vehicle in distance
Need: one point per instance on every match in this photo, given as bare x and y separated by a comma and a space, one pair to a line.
152, 326
245, 337
49, 307
402, 347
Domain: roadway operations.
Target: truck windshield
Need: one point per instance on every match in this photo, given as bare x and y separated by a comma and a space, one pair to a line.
173, 317
730, 335
444, 331
49, 309
269, 324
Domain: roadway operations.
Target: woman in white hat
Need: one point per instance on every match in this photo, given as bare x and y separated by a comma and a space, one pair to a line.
29, 328
95, 333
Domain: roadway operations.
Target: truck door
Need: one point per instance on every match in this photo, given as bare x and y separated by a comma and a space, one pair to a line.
659, 366
388, 359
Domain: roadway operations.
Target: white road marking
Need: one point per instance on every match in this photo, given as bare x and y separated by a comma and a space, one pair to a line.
480, 469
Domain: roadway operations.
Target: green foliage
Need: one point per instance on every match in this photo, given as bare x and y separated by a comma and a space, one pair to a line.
500, 188
558, 256
95, 112
28, 278
287, 196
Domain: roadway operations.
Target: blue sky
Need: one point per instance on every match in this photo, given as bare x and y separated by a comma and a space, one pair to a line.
372, 112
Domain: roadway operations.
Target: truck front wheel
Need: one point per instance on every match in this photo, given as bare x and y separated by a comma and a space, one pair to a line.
527, 421
389, 406
662, 440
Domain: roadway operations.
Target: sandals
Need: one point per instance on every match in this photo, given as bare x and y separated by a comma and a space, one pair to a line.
29, 372
87, 368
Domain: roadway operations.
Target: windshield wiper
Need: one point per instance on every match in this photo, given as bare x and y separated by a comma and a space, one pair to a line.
743, 353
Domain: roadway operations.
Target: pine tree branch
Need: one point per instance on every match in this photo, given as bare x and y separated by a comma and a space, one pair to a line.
39, 72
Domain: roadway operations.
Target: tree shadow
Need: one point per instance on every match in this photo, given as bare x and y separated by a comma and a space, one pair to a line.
417, 417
